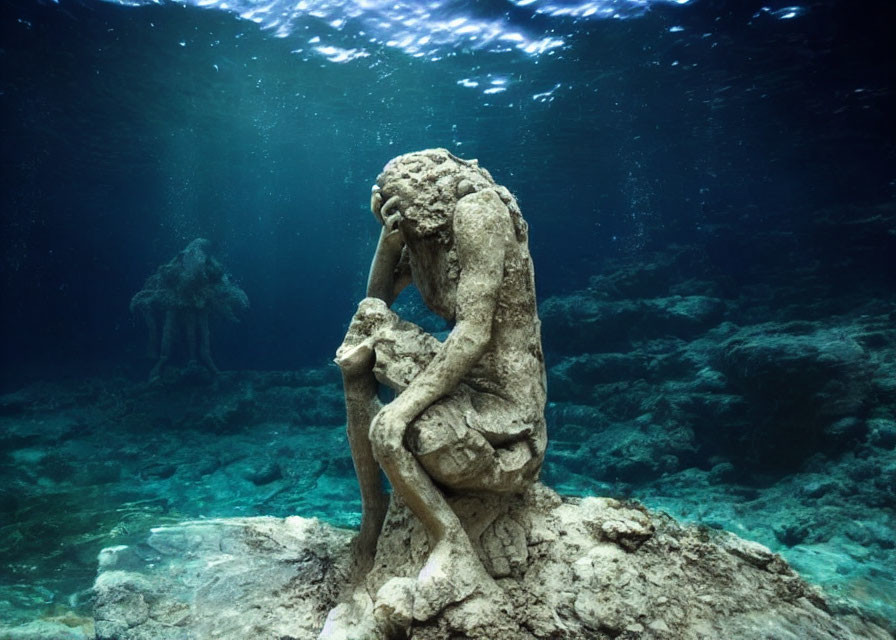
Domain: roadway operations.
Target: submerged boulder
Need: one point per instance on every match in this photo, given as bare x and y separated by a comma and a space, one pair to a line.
221, 578
566, 569
807, 387
582, 322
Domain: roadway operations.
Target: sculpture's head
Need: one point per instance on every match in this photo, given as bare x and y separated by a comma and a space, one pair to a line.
425, 186
195, 257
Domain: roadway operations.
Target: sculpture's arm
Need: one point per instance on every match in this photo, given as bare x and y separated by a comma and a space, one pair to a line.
482, 228
388, 274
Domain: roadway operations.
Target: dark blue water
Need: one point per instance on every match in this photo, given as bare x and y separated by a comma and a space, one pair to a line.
740, 155
129, 131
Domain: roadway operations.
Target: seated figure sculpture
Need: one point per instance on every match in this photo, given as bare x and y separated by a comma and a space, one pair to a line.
468, 417
185, 291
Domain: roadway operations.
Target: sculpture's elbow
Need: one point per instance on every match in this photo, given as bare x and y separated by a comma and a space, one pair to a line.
473, 340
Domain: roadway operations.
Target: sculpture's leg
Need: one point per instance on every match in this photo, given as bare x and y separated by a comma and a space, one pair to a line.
361, 405
467, 440
453, 571
152, 344
355, 358
165, 348
205, 344
189, 322
381, 348
479, 442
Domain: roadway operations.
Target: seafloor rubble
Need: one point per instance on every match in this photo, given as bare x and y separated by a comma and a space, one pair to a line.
760, 399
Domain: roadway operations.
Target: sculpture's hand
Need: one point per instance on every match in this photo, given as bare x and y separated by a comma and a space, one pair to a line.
384, 282
379, 210
355, 356
376, 203
388, 216
391, 422
391, 241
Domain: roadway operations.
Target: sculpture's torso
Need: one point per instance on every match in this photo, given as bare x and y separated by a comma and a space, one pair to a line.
508, 379
512, 366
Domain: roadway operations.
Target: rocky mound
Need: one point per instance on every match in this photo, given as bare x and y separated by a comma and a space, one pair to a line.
567, 569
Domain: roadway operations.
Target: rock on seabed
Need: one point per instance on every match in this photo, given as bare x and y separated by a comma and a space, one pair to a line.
592, 568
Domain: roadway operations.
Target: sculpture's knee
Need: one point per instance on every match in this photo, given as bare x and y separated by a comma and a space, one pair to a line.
373, 312
387, 442
371, 318
460, 457
373, 306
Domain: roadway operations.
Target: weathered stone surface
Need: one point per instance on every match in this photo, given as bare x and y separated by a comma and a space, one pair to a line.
221, 578
564, 568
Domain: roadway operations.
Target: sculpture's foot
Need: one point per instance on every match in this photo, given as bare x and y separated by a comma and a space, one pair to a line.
360, 618
364, 551
352, 620
484, 616
452, 574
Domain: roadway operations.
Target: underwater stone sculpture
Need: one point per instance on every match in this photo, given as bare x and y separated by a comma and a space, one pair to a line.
469, 415
185, 292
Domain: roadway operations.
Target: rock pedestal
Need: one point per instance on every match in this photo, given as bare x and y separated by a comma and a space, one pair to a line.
565, 568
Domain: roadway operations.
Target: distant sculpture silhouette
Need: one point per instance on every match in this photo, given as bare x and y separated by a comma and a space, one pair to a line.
469, 414
185, 291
